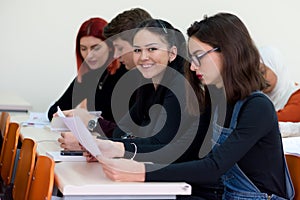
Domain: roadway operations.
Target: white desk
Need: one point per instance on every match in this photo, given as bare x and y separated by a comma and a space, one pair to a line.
82, 180
11, 102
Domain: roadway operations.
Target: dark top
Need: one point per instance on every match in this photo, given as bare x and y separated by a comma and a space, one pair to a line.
164, 125
97, 86
255, 145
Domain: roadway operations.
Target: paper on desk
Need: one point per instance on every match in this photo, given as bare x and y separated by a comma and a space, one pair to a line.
289, 129
36, 119
291, 145
82, 134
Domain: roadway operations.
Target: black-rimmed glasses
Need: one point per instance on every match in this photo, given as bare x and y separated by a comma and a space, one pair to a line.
196, 58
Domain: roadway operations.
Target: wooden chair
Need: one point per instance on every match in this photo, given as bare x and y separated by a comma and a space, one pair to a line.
8, 155
293, 162
4, 121
24, 170
43, 179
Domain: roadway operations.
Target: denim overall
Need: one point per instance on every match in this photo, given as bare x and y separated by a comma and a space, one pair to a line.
236, 184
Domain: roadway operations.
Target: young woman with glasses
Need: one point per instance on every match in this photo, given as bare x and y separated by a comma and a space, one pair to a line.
246, 149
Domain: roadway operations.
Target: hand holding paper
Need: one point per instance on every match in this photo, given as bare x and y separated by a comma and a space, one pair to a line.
57, 123
59, 112
82, 134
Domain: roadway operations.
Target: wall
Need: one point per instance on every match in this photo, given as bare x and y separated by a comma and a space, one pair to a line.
37, 37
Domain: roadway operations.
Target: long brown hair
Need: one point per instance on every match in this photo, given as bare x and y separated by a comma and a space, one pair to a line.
241, 72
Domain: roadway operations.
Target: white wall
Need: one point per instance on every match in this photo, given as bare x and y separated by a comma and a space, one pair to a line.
37, 37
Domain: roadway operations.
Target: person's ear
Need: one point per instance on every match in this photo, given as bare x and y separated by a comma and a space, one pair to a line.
172, 53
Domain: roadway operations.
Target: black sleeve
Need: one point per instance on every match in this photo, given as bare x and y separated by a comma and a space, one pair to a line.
256, 119
64, 102
105, 127
184, 147
75, 94
123, 128
165, 123
178, 135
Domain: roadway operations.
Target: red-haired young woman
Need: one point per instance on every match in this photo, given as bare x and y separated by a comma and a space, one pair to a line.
98, 73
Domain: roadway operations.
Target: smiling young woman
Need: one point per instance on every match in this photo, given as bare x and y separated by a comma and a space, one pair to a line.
244, 136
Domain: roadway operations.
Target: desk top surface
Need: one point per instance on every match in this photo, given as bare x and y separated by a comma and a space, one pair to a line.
83, 178
10, 101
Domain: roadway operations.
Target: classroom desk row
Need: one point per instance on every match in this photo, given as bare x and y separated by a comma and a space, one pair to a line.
10, 101
82, 180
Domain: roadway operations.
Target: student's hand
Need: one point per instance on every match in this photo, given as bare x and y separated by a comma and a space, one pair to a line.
89, 157
111, 149
67, 113
68, 141
123, 169
83, 114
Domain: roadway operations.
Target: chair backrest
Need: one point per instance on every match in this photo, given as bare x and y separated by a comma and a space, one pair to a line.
24, 170
4, 121
43, 179
293, 162
9, 150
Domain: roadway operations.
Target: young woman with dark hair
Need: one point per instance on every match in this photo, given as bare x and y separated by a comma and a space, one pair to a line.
246, 148
159, 117
115, 35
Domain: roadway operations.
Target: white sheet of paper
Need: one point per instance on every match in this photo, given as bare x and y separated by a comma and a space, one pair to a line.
291, 145
57, 124
82, 134
289, 129
59, 112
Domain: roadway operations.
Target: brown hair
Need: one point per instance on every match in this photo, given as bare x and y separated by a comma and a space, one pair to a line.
241, 61
125, 21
